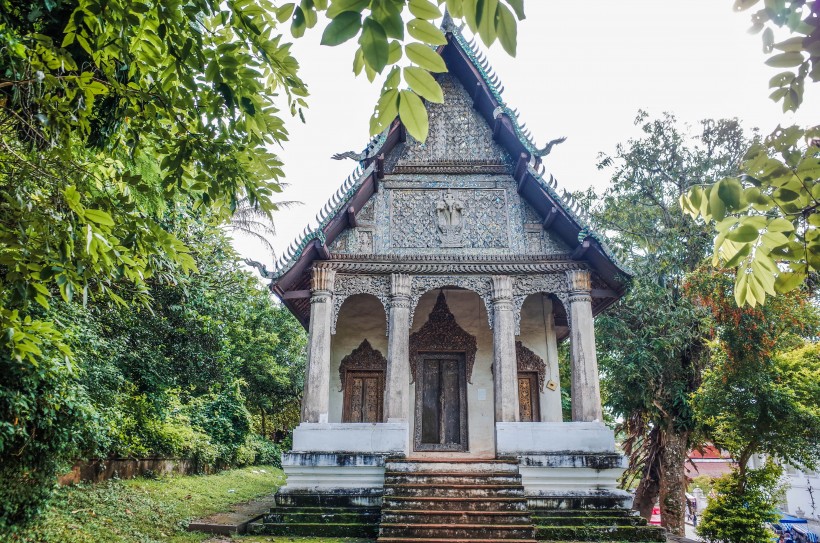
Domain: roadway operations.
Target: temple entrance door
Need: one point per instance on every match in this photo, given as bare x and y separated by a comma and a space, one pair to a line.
363, 396
441, 403
528, 401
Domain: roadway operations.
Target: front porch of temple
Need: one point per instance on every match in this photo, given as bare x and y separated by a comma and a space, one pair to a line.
436, 289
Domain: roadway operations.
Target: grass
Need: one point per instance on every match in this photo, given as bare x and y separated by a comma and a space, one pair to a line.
147, 510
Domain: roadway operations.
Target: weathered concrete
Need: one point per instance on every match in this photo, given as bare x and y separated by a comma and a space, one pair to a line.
317, 381
586, 393
505, 370
352, 437
516, 438
397, 379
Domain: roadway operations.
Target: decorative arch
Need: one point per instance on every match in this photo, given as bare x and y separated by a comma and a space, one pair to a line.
441, 332
480, 284
529, 361
362, 358
350, 285
525, 285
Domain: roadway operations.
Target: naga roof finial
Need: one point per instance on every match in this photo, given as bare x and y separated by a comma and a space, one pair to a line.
548, 147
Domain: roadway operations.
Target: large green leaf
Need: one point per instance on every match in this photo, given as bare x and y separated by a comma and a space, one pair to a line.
374, 45
425, 57
342, 28
423, 84
745, 233
507, 29
424, 9
785, 60
425, 31
413, 115
339, 6
486, 20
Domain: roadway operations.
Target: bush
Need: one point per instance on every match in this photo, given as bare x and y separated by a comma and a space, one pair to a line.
742, 507
258, 450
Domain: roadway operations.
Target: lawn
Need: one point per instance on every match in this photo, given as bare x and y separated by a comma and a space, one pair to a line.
148, 510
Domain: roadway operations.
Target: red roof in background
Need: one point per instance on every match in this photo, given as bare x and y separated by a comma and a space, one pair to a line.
711, 469
709, 452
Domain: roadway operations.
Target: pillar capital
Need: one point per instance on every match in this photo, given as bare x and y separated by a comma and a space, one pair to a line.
400, 288
322, 280
579, 281
502, 289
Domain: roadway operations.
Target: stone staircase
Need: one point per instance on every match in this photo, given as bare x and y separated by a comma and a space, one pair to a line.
437, 501
594, 525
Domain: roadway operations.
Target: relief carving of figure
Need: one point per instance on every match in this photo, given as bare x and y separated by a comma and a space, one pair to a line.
450, 214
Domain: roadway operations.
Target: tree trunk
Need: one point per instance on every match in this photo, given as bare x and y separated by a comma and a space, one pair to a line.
647, 492
673, 479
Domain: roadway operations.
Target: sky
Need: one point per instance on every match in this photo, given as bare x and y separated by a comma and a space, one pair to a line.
583, 70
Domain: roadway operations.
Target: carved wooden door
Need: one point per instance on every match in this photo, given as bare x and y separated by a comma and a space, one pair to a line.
528, 401
363, 396
441, 404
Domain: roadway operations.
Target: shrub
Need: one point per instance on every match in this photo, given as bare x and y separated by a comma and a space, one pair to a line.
743, 505
258, 450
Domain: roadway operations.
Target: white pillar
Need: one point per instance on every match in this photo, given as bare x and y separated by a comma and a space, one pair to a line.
317, 381
551, 411
505, 369
586, 392
397, 385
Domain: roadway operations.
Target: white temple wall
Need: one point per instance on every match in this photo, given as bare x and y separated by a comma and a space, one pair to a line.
534, 328
361, 317
471, 315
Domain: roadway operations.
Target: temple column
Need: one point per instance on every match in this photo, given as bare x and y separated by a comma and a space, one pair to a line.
586, 392
505, 371
551, 411
317, 381
397, 385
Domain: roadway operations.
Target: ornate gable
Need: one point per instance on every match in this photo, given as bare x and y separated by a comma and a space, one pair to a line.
442, 333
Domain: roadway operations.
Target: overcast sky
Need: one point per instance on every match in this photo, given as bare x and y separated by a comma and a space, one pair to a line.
583, 70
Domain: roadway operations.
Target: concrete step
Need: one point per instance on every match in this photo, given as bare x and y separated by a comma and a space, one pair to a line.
583, 512
364, 530
597, 520
452, 477
600, 533
397, 516
452, 465
457, 531
436, 503
318, 517
454, 490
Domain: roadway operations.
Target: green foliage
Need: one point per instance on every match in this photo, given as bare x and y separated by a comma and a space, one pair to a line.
742, 507
799, 52
652, 342
766, 219
382, 27
754, 399
145, 510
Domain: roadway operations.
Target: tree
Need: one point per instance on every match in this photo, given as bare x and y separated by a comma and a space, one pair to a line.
759, 394
766, 217
800, 52
122, 120
652, 342
739, 512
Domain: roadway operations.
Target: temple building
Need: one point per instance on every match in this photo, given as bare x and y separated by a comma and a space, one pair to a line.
435, 290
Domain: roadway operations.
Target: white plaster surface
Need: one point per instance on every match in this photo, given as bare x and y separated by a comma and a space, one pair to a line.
541, 480
328, 478
515, 438
538, 335
389, 437
361, 317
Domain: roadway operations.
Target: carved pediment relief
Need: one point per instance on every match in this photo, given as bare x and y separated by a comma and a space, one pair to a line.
441, 333
529, 361
364, 357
